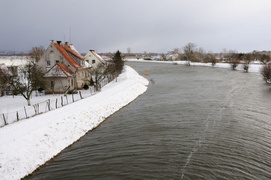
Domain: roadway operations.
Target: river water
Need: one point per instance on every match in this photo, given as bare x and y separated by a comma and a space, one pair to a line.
191, 123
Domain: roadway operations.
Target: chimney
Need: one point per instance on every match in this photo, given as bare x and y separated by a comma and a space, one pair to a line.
52, 41
58, 42
67, 44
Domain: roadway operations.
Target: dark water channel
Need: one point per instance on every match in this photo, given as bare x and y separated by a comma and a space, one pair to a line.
192, 123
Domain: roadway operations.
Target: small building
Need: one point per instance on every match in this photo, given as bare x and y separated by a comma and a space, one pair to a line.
94, 59
61, 79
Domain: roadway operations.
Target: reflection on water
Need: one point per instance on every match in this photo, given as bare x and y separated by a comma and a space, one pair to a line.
192, 123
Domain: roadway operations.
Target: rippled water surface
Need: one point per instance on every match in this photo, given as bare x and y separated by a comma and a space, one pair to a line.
191, 123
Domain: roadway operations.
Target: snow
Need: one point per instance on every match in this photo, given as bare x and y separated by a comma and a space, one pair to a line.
27, 144
14, 60
254, 66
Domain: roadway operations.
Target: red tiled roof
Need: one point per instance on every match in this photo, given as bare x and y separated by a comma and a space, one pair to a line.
65, 69
73, 52
66, 55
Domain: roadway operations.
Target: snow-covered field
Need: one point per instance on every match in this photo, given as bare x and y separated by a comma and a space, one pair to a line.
14, 60
27, 144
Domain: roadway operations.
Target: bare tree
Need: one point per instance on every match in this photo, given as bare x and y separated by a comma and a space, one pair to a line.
128, 51
266, 73
36, 53
200, 54
99, 73
264, 58
210, 58
177, 53
233, 59
189, 50
163, 57
30, 79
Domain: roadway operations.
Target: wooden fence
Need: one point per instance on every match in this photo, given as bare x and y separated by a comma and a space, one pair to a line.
47, 105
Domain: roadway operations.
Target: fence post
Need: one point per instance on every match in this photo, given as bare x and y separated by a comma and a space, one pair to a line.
56, 103
17, 115
35, 109
80, 95
72, 97
67, 99
49, 104
61, 101
25, 113
4, 119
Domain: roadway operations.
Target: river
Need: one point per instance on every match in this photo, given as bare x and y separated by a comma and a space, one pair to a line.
191, 123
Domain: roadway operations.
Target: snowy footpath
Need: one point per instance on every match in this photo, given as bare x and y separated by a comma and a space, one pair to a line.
28, 144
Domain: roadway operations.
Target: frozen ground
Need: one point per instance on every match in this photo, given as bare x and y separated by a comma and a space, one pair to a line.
29, 143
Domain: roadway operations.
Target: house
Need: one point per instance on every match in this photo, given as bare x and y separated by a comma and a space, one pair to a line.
94, 59
65, 68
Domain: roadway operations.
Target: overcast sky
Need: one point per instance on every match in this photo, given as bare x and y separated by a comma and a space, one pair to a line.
142, 25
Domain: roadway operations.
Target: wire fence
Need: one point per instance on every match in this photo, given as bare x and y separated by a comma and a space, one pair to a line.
48, 105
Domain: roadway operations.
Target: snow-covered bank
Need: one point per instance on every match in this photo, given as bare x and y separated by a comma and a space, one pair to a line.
27, 144
253, 67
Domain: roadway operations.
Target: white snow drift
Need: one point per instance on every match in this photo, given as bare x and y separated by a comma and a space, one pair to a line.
27, 144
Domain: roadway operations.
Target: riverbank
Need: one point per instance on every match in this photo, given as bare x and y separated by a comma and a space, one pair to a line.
28, 144
253, 67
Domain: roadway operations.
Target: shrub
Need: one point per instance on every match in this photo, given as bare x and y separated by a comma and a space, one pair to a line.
85, 87
266, 72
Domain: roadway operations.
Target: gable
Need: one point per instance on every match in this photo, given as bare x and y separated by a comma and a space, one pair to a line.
92, 54
59, 70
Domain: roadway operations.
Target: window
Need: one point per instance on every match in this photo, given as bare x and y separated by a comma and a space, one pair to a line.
57, 61
93, 61
89, 55
52, 85
71, 82
48, 63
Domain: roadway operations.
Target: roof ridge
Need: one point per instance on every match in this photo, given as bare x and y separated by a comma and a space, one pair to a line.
73, 52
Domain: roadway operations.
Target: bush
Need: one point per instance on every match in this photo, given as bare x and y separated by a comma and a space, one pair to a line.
266, 72
40, 90
246, 66
85, 87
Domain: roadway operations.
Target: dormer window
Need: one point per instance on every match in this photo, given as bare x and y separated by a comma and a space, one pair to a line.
93, 61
